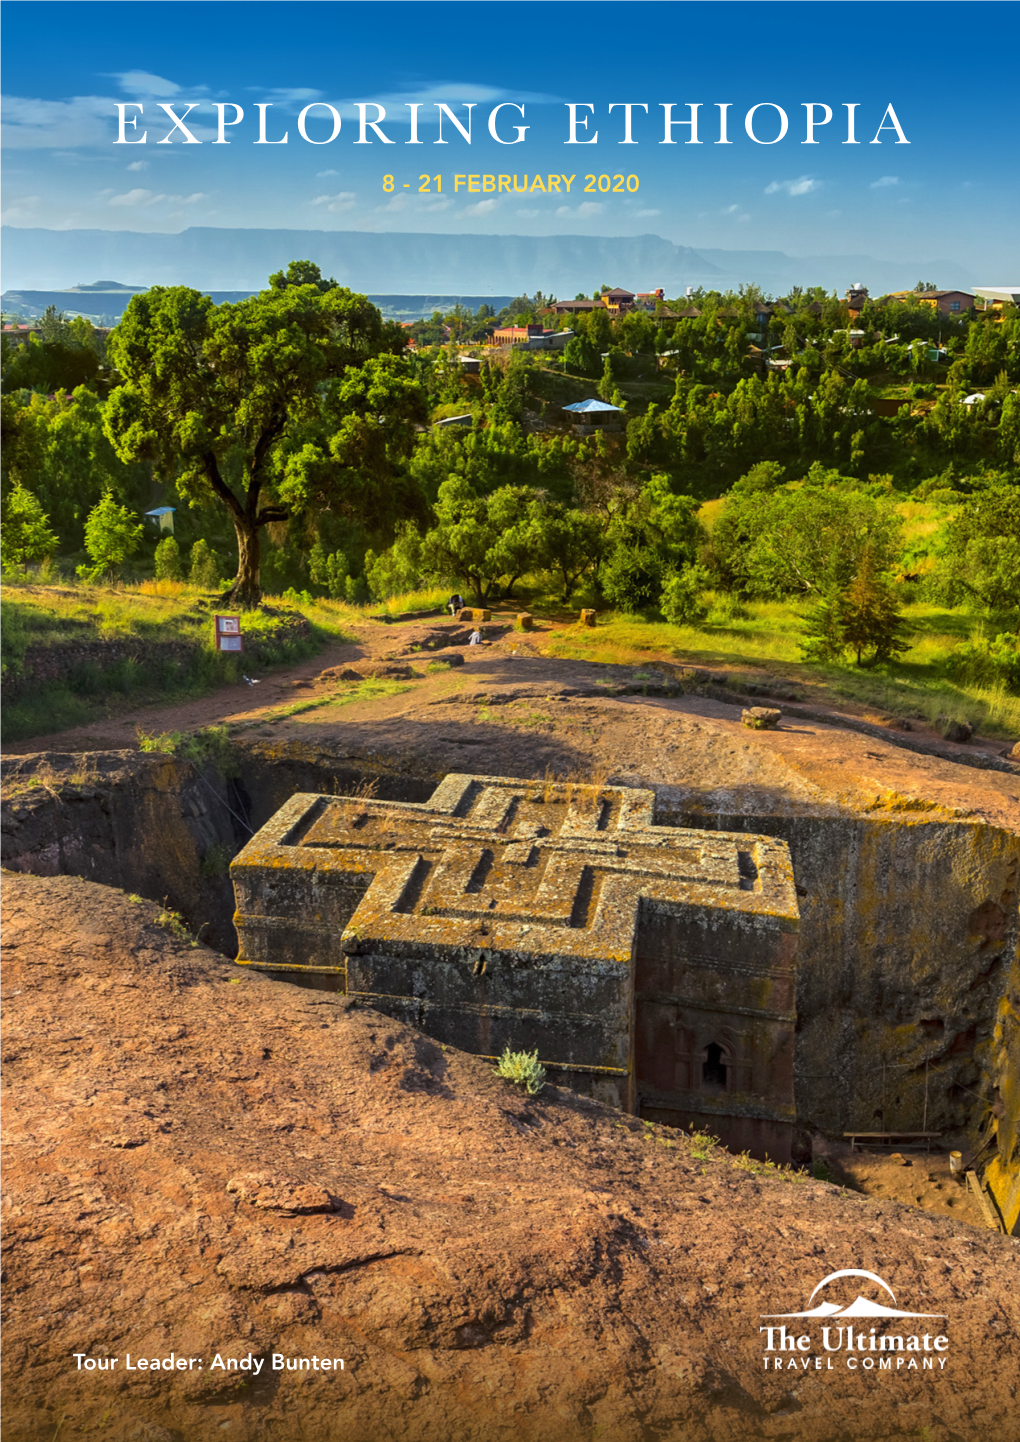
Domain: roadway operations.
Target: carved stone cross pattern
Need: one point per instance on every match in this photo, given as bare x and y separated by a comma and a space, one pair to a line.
538, 915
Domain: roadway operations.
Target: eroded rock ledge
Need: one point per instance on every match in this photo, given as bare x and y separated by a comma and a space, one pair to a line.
202, 1162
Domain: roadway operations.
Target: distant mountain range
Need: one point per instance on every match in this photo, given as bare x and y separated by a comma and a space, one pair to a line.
427, 266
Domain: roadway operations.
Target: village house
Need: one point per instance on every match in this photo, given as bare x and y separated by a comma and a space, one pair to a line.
949, 302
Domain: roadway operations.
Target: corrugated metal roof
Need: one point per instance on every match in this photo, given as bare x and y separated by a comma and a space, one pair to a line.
582, 407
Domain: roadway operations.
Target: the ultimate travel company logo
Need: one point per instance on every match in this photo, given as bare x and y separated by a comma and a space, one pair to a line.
836, 1337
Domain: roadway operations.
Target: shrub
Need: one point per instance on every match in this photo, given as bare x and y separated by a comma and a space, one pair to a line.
681, 596
632, 580
165, 741
205, 567
523, 1069
111, 535
330, 570
25, 530
167, 561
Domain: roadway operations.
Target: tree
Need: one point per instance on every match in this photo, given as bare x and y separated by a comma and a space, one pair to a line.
227, 400
205, 566
862, 617
301, 272
58, 364
580, 355
167, 561
807, 537
482, 540
607, 385
112, 534
25, 533
57, 450
681, 596
981, 551
632, 579
397, 570
572, 543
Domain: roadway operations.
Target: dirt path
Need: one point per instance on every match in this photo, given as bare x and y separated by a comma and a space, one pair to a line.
417, 640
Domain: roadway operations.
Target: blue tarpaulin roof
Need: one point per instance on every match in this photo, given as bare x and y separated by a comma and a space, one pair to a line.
580, 407
162, 511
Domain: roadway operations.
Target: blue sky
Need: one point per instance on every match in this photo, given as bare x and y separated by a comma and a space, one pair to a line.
953, 191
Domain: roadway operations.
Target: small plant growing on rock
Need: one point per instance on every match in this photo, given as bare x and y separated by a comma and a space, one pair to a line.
703, 1145
165, 741
216, 861
173, 922
523, 1069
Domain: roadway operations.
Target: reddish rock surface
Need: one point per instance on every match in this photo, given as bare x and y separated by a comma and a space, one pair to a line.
214, 1165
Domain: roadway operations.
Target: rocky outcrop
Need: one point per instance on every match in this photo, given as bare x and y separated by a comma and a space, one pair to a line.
206, 1172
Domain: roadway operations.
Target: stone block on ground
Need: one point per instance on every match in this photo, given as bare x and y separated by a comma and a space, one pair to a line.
474, 613
953, 730
761, 718
587, 618
525, 621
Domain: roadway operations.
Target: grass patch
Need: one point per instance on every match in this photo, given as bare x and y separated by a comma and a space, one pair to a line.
369, 690
169, 628
430, 599
768, 634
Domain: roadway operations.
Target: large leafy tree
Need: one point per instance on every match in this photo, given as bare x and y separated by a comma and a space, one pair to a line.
487, 542
223, 398
807, 537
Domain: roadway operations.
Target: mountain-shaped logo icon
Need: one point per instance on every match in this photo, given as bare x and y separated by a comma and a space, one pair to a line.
859, 1307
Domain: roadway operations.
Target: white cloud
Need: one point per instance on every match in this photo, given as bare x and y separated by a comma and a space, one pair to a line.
456, 94
136, 197
536, 211
148, 197
36, 124
22, 209
438, 205
139, 165
729, 210
586, 208
884, 181
343, 200
398, 203
641, 213
289, 95
481, 207
323, 174
802, 186
142, 82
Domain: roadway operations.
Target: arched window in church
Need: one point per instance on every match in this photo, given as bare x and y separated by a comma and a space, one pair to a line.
713, 1070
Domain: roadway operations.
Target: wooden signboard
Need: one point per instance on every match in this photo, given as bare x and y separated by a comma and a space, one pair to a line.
228, 633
